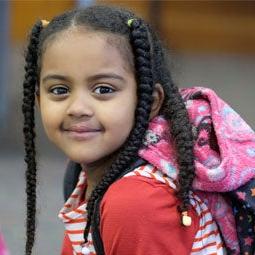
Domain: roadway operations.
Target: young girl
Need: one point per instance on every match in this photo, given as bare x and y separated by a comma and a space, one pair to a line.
152, 158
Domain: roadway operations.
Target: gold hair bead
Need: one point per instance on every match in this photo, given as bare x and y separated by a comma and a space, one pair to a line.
45, 23
186, 220
129, 22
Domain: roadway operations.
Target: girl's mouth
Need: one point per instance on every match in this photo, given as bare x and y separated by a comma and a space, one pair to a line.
84, 135
81, 132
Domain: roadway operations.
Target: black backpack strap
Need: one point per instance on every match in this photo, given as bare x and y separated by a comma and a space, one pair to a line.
137, 163
97, 240
71, 178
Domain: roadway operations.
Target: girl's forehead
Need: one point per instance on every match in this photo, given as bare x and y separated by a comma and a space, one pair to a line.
74, 36
90, 43
87, 51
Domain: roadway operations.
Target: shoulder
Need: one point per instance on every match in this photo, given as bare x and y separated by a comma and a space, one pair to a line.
140, 199
140, 214
135, 192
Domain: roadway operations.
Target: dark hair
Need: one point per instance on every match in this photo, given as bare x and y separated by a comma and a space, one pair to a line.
150, 65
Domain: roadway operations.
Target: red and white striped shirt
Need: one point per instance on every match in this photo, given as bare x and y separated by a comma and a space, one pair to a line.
125, 236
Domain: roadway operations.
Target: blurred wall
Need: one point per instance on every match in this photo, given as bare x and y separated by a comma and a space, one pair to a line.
200, 26
25, 13
188, 26
4, 61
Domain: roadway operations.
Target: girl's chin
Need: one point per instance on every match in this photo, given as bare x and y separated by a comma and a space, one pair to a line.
82, 161
85, 160
97, 162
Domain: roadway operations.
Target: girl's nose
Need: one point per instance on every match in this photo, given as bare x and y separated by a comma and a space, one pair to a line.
79, 106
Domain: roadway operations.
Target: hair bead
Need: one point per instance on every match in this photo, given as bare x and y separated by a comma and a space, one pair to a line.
186, 220
129, 22
45, 23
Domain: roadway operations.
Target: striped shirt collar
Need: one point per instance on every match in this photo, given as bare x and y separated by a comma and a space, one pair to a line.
74, 216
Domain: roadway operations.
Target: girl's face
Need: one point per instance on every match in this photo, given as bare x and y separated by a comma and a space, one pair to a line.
87, 95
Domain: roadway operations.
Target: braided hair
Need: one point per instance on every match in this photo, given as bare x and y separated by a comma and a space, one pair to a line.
149, 61
29, 85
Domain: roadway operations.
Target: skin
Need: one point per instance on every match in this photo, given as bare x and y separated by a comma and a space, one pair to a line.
85, 81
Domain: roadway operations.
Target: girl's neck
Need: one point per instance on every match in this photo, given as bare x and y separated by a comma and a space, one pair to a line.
95, 171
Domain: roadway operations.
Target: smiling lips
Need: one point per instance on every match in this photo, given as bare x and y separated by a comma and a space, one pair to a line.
81, 132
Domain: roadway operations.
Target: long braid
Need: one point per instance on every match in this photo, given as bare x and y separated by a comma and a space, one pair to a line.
181, 129
141, 48
29, 86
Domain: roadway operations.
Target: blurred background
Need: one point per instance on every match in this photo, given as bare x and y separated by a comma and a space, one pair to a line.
212, 44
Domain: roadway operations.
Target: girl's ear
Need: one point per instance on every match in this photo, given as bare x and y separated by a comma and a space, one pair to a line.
158, 98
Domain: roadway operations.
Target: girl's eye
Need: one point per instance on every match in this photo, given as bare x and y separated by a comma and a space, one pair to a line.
103, 90
59, 90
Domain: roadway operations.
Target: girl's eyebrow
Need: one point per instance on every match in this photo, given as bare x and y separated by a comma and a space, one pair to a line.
89, 79
105, 75
55, 77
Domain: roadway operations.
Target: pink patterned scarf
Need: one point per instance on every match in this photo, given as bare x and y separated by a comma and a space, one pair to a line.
224, 153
